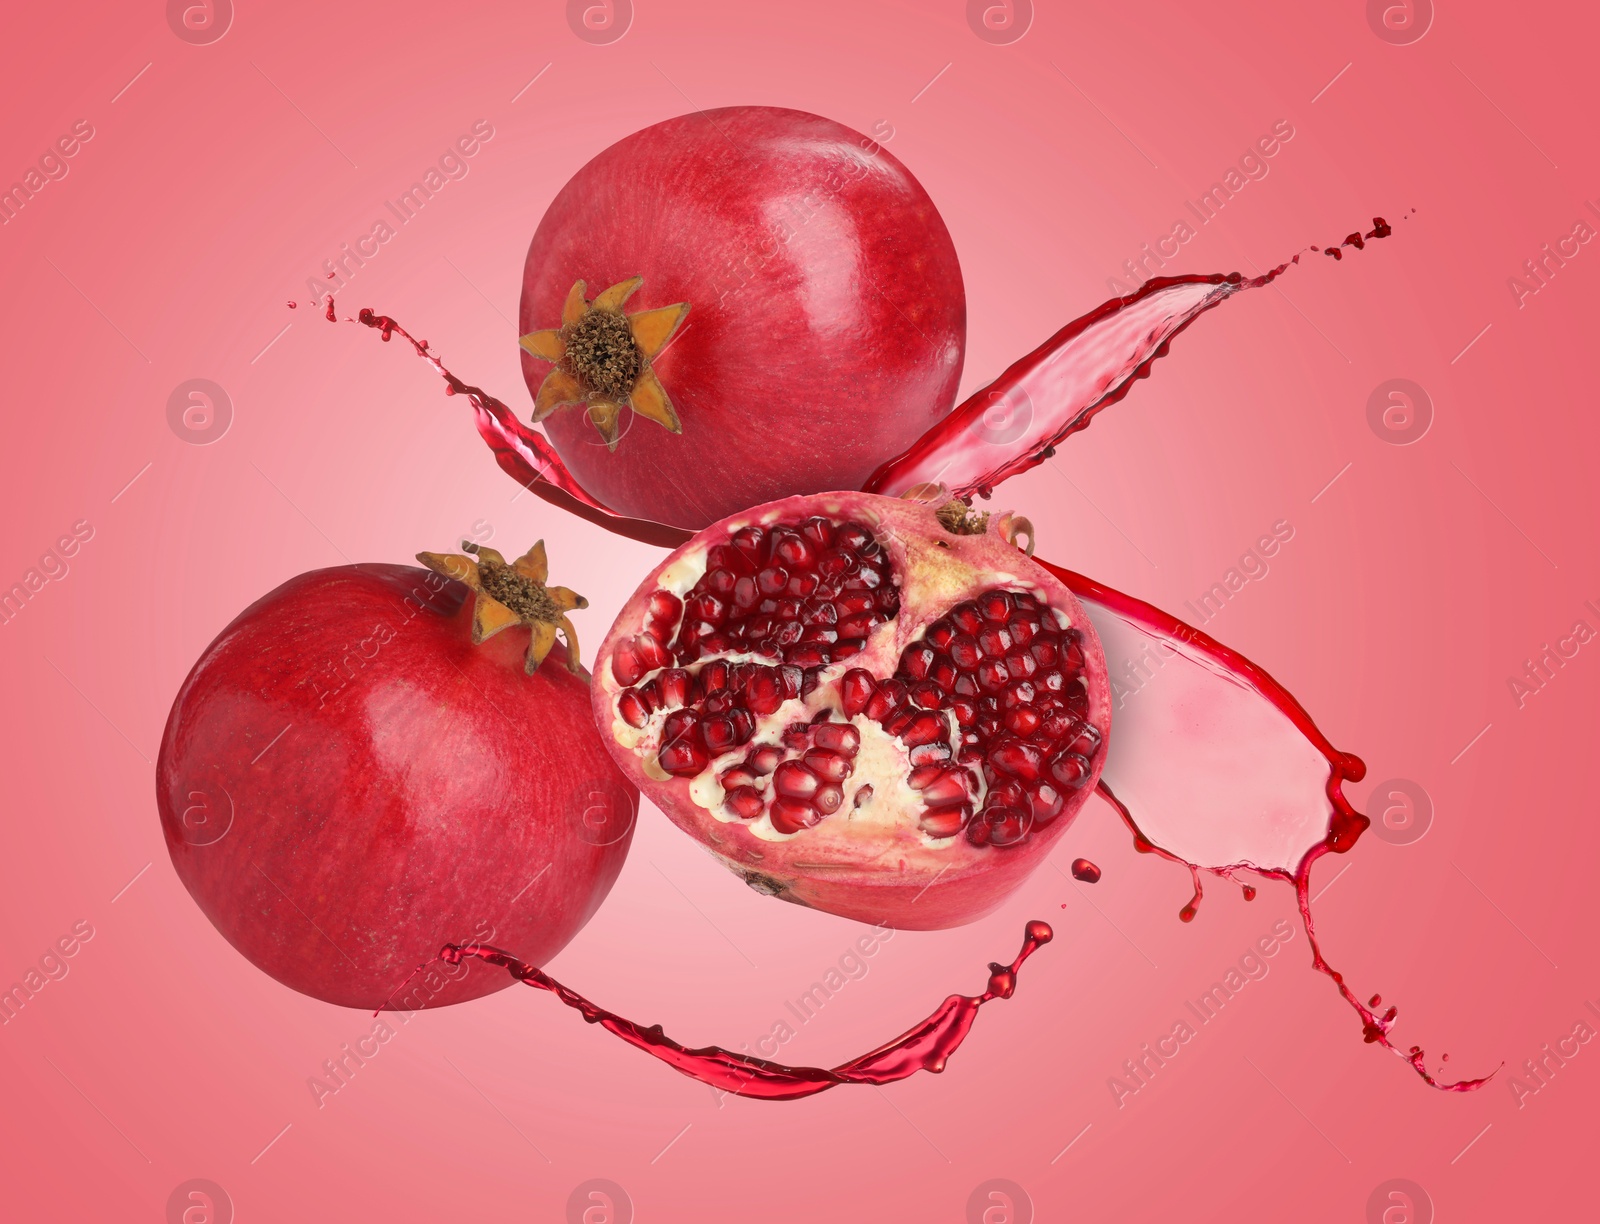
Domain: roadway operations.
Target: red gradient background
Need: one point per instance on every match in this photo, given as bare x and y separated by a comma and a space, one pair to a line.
219, 178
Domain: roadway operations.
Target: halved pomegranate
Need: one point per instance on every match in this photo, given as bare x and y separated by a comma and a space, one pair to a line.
873, 706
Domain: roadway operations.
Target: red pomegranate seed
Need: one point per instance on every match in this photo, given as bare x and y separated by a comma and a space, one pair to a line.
1019, 759
1046, 648
765, 759
947, 821
720, 733
994, 640
682, 757
739, 775
1007, 826
923, 728
966, 617
917, 659
745, 802
827, 799
633, 711
792, 815
1023, 720
997, 605
949, 786
936, 753
964, 651
992, 675
856, 689
1046, 803
677, 688
665, 609
940, 634
764, 693
838, 737
829, 766
794, 781
927, 695
1070, 770
858, 625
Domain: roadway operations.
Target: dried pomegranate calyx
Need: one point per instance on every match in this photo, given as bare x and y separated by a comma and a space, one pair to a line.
513, 593
602, 358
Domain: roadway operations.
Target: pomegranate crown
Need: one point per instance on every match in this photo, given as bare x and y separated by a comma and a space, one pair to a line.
602, 358
513, 593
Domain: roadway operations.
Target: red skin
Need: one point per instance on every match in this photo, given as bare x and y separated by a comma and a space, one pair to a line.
407, 807
840, 348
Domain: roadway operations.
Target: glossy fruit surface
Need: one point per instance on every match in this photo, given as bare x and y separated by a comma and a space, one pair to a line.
346, 783
825, 323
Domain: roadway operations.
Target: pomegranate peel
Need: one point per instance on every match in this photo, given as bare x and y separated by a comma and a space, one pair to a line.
872, 706
602, 359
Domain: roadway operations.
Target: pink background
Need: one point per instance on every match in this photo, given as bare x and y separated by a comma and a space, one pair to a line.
1415, 585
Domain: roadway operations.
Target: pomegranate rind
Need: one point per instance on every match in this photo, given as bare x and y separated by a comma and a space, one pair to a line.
884, 870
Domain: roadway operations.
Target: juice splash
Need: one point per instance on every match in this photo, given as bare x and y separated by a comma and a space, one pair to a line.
926, 1047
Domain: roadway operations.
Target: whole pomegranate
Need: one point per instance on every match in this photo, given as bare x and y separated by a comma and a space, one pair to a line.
362, 767
864, 704
738, 305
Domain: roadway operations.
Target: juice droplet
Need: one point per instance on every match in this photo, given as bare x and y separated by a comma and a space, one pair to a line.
1083, 869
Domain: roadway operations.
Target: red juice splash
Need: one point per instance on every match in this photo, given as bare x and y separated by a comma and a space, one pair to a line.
1084, 870
522, 453
1061, 386
926, 1047
1259, 788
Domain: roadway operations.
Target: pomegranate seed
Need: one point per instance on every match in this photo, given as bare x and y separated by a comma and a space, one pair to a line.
858, 625
964, 651
994, 640
1046, 648
829, 766
725, 557
827, 799
792, 815
1070, 770
853, 537
948, 787
744, 724
714, 677
927, 696
808, 654
838, 737
936, 753
739, 775
891, 695
650, 695
707, 607
627, 665
764, 694
923, 728
940, 633
863, 795
943, 673
1007, 826
849, 605
992, 675
1086, 740
823, 613
966, 617
965, 710
802, 586
856, 689
1025, 626
1046, 803
1007, 794
765, 759
665, 608
745, 593
720, 733
1021, 664
682, 757
978, 832
744, 802
795, 781
848, 649
946, 822
772, 581
748, 541
997, 605
794, 550
825, 635
818, 530
677, 688
917, 659
1023, 720
897, 721
720, 582
633, 711
965, 686
1018, 758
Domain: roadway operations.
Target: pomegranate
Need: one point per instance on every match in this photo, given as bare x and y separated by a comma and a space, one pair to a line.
775, 302
868, 705
364, 766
